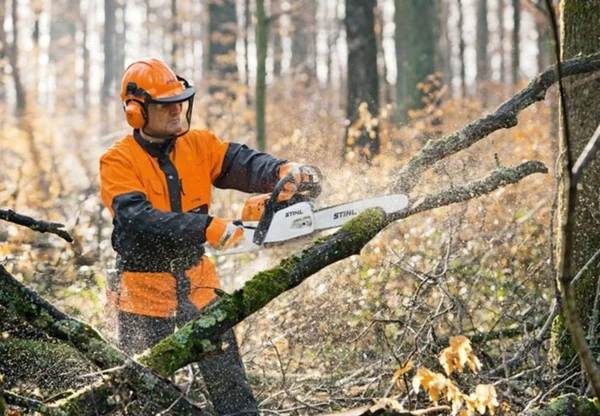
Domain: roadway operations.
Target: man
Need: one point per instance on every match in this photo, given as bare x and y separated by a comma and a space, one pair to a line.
156, 182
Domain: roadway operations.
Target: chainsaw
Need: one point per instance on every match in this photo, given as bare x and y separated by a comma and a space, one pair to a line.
281, 216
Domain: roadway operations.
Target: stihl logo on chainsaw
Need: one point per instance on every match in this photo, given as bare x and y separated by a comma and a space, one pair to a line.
344, 214
293, 213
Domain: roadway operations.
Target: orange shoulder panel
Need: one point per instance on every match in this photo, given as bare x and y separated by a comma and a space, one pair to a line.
208, 144
117, 173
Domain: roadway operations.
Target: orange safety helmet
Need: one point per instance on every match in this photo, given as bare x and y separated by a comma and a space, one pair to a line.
148, 81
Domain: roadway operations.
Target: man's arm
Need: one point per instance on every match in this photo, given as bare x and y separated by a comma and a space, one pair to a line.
124, 195
248, 170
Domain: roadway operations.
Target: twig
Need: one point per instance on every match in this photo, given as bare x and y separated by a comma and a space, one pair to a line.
586, 156
283, 382
36, 225
522, 353
518, 375
585, 267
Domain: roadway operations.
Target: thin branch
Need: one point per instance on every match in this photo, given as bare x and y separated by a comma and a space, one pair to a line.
36, 225
504, 117
586, 156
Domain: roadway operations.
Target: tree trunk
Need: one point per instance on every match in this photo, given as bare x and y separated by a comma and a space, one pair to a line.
277, 42
262, 36
382, 63
482, 41
581, 35
24, 304
247, 26
110, 50
303, 64
175, 35
63, 26
85, 72
515, 63
545, 55
501, 39
416, 51
222, 60
121, 46
362, 135
13, 57
3, 50
445, 43
461, 50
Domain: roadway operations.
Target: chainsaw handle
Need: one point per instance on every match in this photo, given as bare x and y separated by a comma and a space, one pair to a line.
305, 191
308, 190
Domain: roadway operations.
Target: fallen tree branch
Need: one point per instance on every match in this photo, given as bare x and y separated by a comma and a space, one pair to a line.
36, 225
504, 117
29, 306
197, 337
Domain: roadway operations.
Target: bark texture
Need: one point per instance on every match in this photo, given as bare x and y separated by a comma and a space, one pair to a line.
581, 35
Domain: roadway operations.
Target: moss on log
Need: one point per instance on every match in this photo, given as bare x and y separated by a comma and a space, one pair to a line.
24, 360
96, 399
569, 405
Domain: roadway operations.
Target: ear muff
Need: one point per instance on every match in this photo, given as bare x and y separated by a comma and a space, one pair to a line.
135, 114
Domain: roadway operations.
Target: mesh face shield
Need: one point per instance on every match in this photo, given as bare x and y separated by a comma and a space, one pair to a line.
185, 99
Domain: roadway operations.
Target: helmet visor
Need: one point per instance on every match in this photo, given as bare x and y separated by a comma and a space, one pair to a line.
187, 94
168, 117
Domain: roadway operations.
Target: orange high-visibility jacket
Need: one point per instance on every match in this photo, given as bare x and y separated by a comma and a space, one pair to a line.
159, 198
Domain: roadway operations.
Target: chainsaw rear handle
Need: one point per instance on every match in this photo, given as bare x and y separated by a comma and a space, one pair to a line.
305, 191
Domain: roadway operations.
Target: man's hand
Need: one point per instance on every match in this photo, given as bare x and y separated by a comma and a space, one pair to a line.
223, 234
305, 179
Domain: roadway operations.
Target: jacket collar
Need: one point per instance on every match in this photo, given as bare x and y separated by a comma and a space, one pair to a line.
155, 149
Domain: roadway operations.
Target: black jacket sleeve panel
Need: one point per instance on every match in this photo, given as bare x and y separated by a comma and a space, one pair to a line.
248, 170
134, 214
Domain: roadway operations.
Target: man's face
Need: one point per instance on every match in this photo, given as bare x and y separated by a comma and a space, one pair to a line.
164, 120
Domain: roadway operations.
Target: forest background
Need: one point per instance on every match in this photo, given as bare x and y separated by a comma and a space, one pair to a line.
356, 87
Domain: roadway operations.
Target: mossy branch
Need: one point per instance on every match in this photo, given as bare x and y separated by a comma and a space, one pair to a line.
29, 306
36, 225
504, 117
198, 336
569, 405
